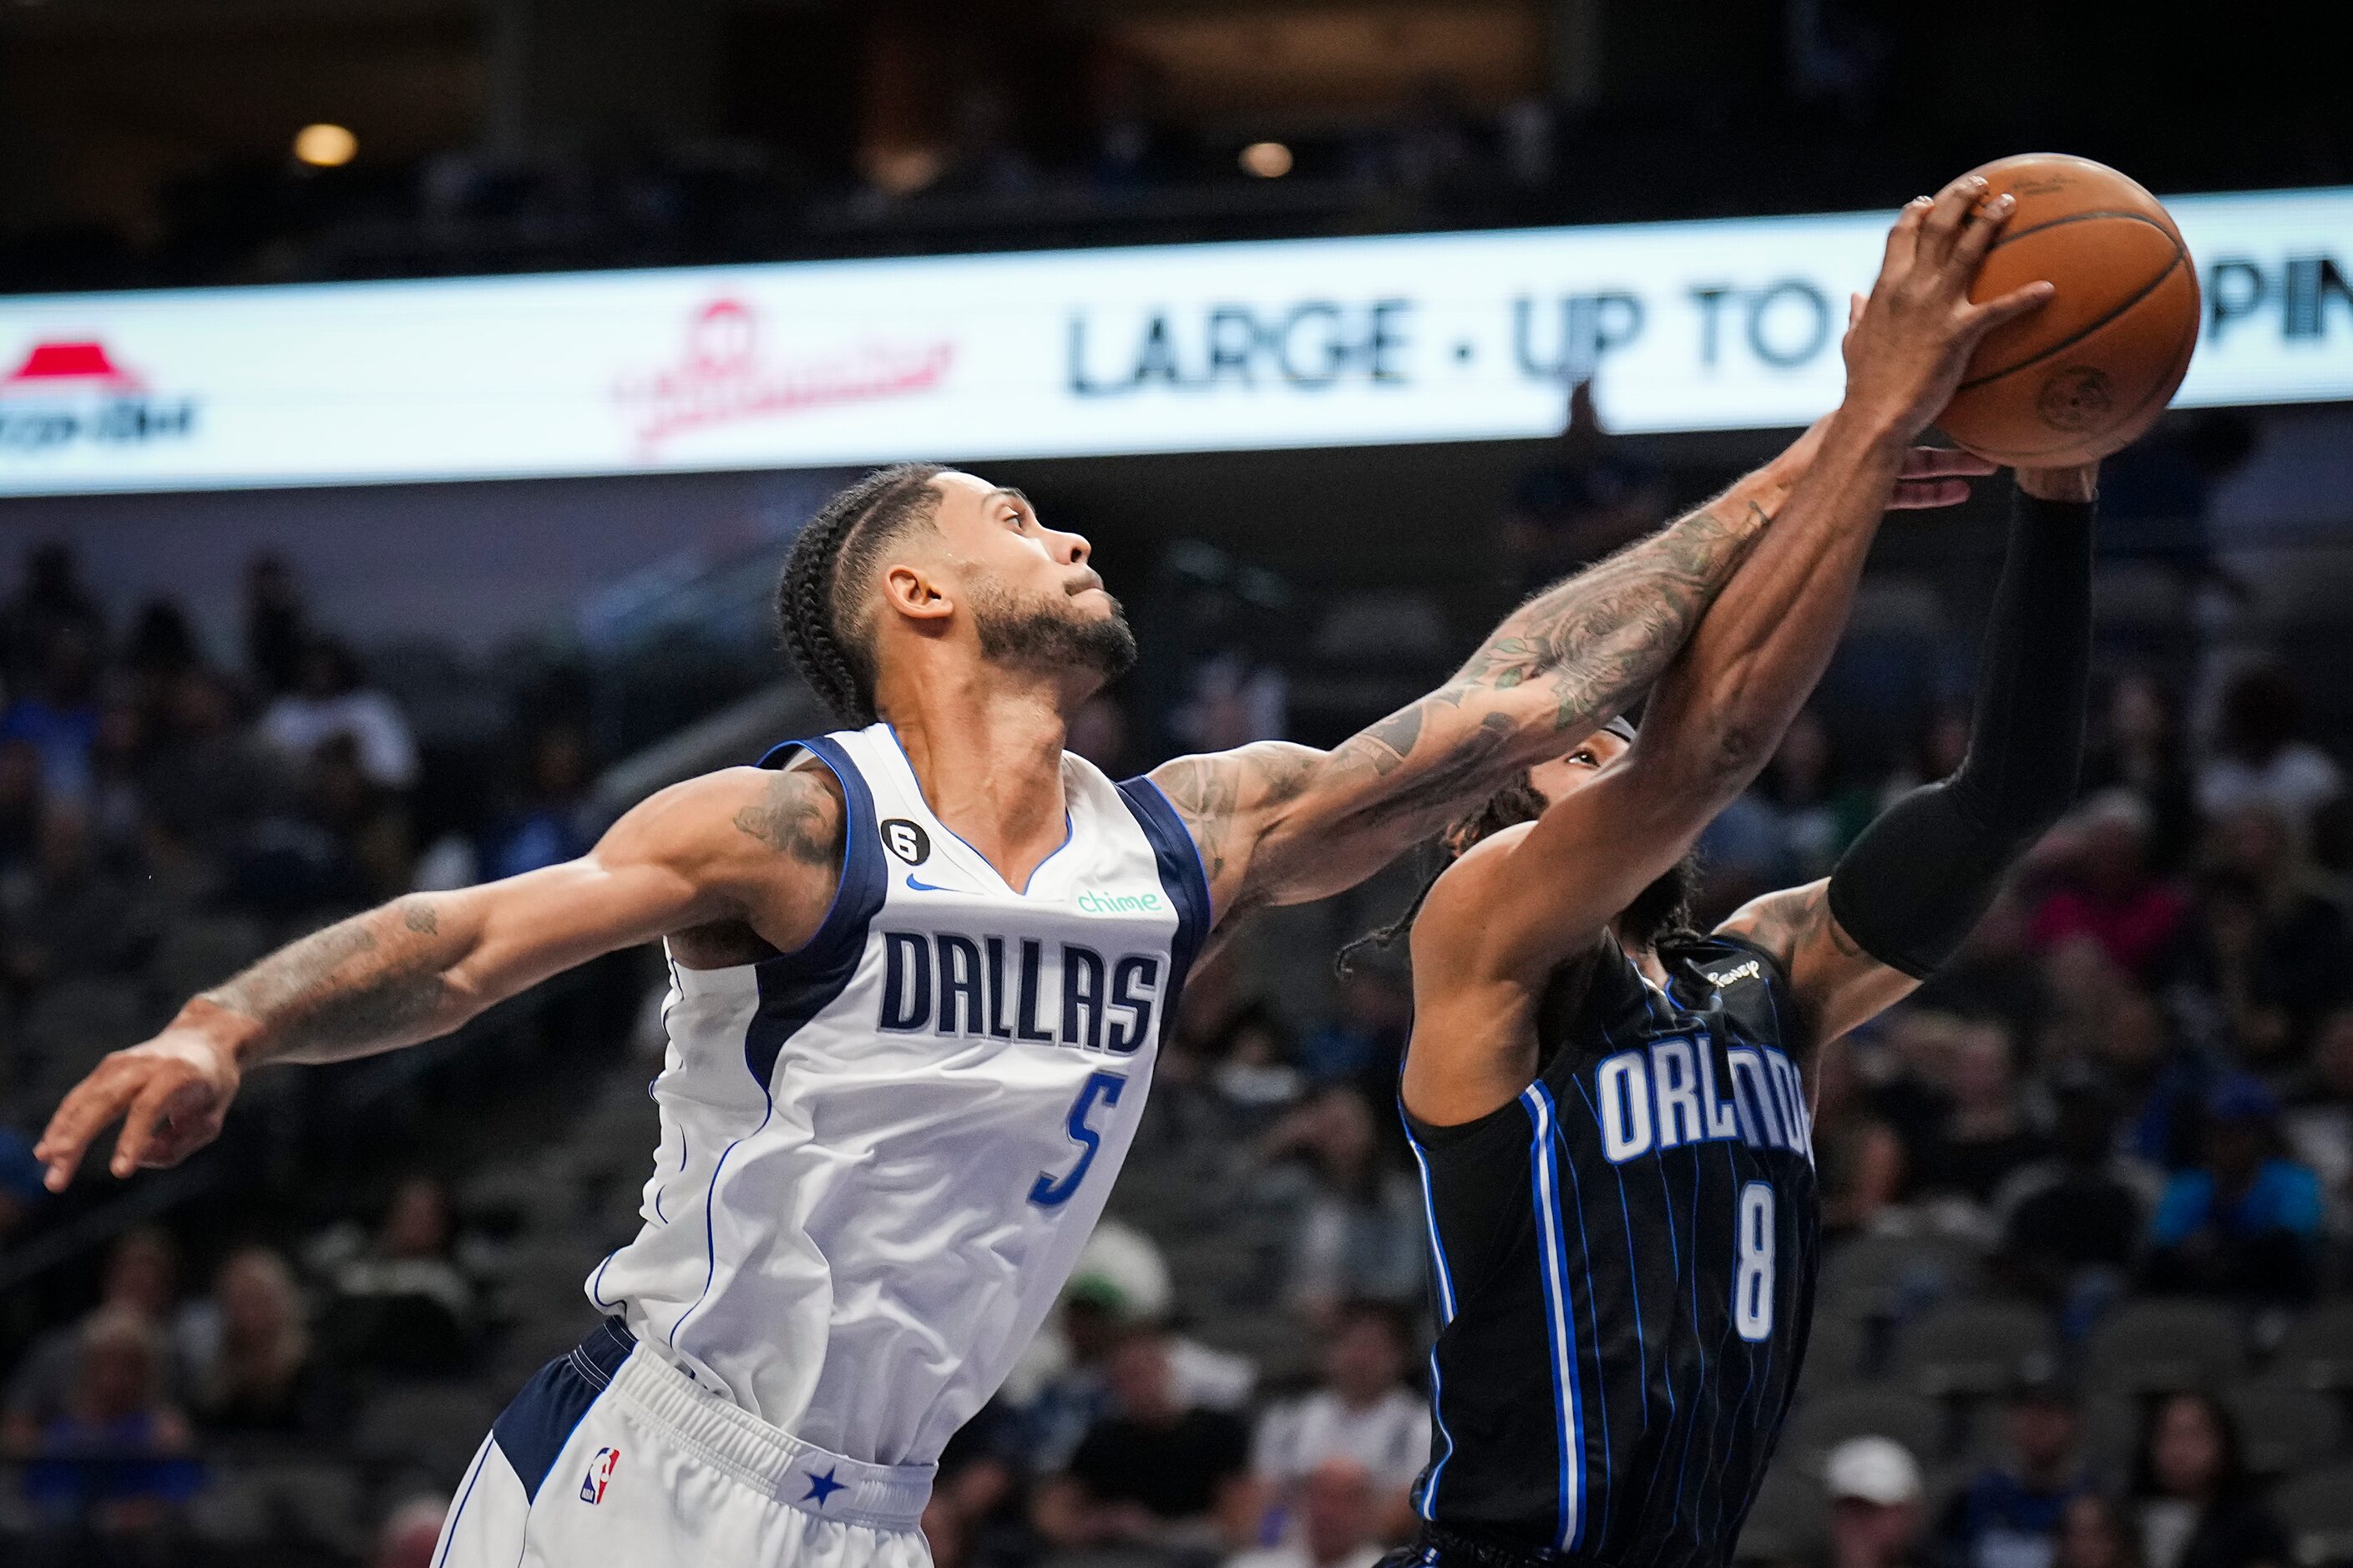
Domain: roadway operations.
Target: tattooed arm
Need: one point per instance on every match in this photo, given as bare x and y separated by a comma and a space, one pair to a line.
1838, 985
1280, 824
758, 852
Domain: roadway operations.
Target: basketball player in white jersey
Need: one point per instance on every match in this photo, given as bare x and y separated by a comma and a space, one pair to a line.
919, 971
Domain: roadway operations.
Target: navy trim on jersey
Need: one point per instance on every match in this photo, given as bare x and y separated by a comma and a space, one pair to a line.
795, 986
1181, 878
1426, 1503
532, 1430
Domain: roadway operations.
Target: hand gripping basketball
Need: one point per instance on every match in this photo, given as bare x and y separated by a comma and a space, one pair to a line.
2088, 375
1909, 346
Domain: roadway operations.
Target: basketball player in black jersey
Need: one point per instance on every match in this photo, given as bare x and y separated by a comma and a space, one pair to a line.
1611, 1111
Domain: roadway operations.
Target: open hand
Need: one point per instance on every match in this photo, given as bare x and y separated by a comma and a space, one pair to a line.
1909, 346
171, 1092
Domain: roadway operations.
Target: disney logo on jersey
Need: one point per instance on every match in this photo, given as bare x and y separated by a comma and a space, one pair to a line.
907, 840
1029, 991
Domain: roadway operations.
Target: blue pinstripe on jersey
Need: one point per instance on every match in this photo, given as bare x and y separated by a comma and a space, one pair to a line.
1444, 1270
1568, 1409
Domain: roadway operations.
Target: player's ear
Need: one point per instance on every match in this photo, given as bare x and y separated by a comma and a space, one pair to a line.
916, 592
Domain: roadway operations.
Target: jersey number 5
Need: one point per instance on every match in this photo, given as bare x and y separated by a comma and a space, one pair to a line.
1752, 1273
1051, 1191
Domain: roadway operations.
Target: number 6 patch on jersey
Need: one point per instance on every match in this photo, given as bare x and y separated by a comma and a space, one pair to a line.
907, 840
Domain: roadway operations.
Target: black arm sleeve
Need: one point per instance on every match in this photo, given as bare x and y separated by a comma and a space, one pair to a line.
1922, 875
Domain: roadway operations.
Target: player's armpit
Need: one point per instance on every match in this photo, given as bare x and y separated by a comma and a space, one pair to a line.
1838, 985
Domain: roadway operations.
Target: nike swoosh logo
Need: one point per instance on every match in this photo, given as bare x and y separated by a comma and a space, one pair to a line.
925, 886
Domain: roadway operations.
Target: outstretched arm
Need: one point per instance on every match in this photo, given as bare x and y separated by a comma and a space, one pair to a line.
1499, 922
707, 851
1719, 711
1921, 875
1282, 824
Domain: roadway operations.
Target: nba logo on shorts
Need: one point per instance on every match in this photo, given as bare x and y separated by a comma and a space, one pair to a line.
600, 1470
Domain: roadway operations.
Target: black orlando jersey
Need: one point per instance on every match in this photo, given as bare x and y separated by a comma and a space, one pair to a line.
1625, 1262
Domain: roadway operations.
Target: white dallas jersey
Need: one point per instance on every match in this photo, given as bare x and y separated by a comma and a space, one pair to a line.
882, 1153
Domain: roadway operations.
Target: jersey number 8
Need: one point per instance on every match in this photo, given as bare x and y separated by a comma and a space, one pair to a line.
1752, 1275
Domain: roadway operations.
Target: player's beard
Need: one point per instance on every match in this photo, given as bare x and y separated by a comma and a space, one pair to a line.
1663, 907
1051, 633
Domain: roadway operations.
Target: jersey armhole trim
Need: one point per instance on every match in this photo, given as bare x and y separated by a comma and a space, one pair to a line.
859, 887
1158, 805
1779, 971
1433, 1135
1781, 992
1158, 816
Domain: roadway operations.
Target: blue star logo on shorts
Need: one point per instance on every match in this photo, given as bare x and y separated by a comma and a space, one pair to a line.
823, 1487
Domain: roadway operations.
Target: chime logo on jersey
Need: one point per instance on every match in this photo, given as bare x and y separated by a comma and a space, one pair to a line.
600, 1471
1037, 993
1667, 1094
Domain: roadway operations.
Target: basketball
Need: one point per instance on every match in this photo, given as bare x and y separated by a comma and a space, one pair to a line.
2085, 374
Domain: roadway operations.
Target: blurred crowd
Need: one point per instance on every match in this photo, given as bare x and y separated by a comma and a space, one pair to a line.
167, 811
2091, 1190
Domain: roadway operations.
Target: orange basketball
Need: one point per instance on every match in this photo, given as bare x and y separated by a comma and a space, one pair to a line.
2091, 369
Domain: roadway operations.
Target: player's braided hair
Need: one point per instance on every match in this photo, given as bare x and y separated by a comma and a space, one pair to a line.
1515, 802
1667, 926
819, 615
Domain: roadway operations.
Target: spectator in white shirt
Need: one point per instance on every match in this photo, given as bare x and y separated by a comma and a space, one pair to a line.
329, 702
2261, 756
1363, 1413
1336, 1511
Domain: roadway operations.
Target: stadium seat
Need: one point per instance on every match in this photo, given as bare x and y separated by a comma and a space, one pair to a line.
2111, 1427
2162, 1346
430, 1429
1387, 630
1789, 1522
1824, 1422
201, 951
1892, 1277
540, 1264
1835, 1350
1971, 1348
533, 1343
252, 1502
2319, 1351
2318, 1509
72, 1023
2112, 1432
2282, 1427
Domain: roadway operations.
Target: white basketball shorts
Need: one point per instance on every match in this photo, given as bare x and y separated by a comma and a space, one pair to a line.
612, 1456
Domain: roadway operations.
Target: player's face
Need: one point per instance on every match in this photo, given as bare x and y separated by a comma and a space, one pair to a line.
1664, 904
1033, 597
1574, 772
